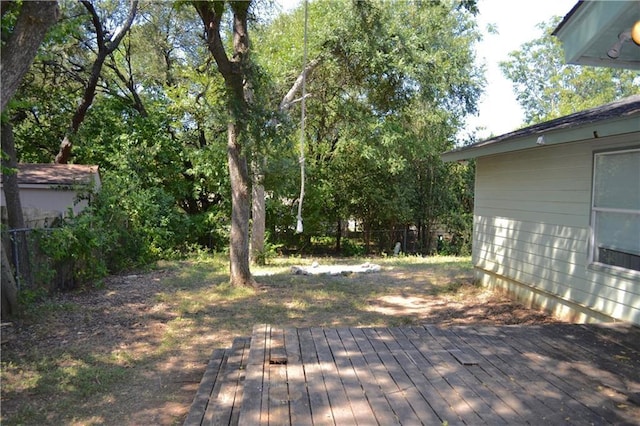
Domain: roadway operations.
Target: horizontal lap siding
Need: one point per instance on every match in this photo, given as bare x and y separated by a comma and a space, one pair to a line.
532, 214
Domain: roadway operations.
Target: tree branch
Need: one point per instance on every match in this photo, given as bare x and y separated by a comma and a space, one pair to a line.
211, 16
95, 19
113, 44
288, 99
104, 49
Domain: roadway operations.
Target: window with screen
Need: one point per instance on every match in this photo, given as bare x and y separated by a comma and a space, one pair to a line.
615, 209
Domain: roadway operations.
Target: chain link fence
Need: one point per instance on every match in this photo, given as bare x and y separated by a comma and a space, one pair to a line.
377, 242
33, 269
395, 241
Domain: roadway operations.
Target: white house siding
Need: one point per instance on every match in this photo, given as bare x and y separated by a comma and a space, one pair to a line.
531, 232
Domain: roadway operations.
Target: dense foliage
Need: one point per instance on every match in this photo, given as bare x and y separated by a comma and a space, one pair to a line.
390, 89
388, 98
546, 87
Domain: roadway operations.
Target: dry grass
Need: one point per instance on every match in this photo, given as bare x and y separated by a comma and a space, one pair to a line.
134, 351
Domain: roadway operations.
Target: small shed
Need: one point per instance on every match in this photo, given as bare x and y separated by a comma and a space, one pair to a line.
557, 213
48, 191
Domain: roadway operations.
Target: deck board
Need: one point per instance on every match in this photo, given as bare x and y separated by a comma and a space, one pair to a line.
361, 408
299, 405
497, 390
420, 410
229, 387
467, 377
574, 391
338, 398
317, 392
546, 392
510, 375
205, 389
386, 376
383, 412
472, 407
251, 412
428, 385
484, 377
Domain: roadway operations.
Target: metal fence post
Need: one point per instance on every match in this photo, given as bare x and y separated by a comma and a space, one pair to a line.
15, 255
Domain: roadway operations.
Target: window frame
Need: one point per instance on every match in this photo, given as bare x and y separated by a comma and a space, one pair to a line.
593, 257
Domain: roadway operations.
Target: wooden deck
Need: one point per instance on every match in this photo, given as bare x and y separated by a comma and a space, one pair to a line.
548, 374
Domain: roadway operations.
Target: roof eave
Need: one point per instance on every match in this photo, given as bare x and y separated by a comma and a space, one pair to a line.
598, 129
592, 27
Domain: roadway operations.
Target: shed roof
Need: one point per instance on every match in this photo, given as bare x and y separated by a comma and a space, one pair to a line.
615, 118
55, 174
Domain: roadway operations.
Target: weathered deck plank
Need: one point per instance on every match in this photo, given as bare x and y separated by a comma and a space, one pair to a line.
338, 399
574, 391
276, 389
433, 393
205, 389
229, 386
360, 406
384, 378
492, 392
251, 412
473, 409
383, 412
317, 392
549, 374
498, 374
299, 406
419, 408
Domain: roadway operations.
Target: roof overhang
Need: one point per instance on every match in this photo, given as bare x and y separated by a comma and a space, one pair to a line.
52, 175
616, 118
592, 29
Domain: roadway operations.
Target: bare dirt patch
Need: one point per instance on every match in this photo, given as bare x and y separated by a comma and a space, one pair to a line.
133, 351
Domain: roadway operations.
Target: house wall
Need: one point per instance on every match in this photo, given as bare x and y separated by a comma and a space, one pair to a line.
531, 232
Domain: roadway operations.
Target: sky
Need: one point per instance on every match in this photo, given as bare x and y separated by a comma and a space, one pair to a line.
515, 21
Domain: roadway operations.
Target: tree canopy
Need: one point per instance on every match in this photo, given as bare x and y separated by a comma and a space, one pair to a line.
198, 102
388, 97
546, 87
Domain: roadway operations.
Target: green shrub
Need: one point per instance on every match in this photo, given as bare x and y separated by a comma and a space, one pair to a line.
270, 251
123, 227
351, 248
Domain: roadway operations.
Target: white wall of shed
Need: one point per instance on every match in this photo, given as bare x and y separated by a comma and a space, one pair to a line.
40, 198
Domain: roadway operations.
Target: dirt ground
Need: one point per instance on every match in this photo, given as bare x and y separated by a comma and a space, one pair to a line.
133, 351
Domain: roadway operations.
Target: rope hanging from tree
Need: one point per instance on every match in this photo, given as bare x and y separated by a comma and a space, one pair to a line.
299, 226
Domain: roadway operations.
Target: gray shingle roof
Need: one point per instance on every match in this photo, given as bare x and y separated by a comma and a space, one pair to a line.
55, 174
626, 107
623, 107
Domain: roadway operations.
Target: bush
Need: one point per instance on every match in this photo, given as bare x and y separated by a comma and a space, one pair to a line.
270, 251
122, 228
351, 248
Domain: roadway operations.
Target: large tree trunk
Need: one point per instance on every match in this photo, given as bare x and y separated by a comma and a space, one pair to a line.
10, 180
258, 213
235, 71
240, 210
9, 289
15, 216
35, 19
